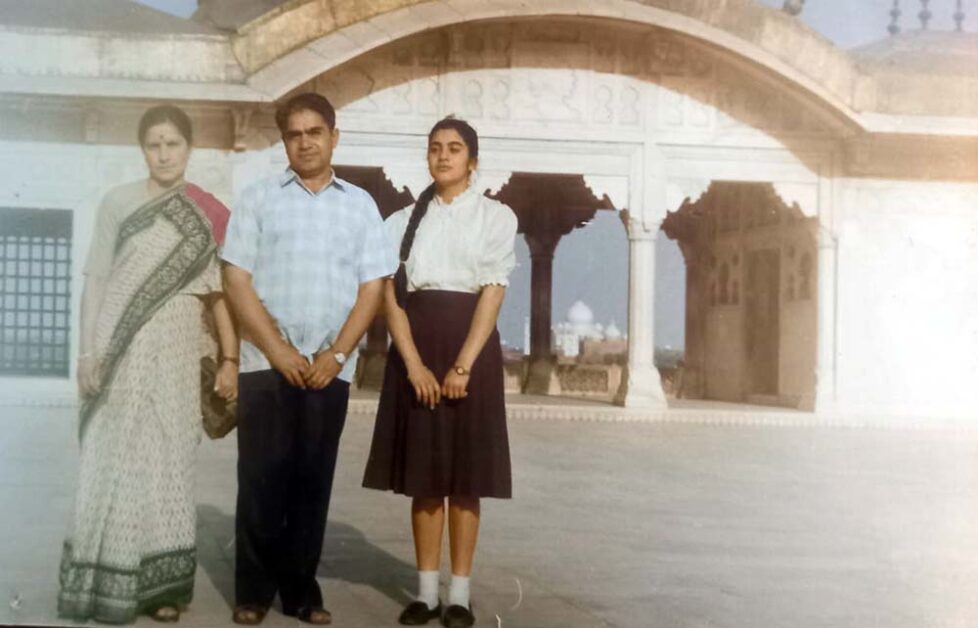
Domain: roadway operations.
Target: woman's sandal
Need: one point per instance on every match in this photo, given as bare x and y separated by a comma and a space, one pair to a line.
165, 614
248, 615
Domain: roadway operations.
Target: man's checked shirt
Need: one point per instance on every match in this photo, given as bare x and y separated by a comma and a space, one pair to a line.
307, 254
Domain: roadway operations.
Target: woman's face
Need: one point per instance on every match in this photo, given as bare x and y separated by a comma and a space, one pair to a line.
166, 152
448, 159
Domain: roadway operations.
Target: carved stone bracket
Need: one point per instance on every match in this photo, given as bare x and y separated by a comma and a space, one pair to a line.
241, 119
415, 180
678, 191
615, 189
802, 195
492, 181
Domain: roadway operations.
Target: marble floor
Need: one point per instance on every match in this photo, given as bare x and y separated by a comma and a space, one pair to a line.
682, 524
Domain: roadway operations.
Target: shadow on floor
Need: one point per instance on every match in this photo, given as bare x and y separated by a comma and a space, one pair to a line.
347, 556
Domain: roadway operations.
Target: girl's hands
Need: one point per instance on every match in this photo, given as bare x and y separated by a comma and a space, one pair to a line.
454, 386
425, 385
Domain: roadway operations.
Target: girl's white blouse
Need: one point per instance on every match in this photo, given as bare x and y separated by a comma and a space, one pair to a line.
459, 246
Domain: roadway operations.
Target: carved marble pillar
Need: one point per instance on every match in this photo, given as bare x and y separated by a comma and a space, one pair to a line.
827, 284
542, 246
548, 207
694, 359
642, 386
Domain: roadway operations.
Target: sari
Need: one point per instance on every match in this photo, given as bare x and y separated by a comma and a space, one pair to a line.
131, 543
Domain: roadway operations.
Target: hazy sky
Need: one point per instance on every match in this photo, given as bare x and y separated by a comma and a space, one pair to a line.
848, 23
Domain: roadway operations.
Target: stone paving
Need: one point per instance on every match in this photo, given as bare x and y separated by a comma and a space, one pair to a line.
655, 524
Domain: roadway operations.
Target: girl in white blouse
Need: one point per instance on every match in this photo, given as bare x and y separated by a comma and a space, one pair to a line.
441, 433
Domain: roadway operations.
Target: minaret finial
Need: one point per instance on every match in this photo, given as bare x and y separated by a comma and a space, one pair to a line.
924, 14
894, 26
793, 7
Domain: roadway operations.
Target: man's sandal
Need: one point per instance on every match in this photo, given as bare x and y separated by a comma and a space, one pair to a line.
316, 615
248, 614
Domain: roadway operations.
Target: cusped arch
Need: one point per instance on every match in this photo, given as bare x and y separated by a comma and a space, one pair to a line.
304, 38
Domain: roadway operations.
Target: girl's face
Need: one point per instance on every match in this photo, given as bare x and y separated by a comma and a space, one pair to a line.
166, 152
448, 159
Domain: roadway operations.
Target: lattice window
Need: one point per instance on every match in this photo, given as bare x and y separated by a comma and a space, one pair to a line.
35, 291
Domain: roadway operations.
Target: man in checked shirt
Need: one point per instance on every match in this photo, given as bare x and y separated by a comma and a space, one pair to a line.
305, 256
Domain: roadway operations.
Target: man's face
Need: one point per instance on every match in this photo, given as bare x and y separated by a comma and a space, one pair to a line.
309, 143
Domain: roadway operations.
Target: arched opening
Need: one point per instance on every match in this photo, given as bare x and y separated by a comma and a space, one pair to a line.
751, 303
576, 358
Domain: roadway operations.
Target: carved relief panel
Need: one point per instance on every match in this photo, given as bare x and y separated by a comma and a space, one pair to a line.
564, 74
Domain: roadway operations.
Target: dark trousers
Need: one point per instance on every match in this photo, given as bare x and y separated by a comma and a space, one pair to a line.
287, 444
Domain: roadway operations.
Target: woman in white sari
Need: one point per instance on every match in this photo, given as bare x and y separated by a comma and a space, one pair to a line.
151, 276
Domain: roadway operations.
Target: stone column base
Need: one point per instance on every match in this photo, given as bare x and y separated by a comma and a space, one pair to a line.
641, 387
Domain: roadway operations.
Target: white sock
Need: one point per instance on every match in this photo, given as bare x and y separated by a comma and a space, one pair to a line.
428, 588
458, 592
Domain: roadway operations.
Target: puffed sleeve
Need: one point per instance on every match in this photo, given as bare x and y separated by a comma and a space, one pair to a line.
376, 254
396, 225
102, 250
241, 239
498, 257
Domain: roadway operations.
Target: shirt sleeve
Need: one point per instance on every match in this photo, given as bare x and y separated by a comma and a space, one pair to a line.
395, 225
102, 250
498, 256
241, 238
377, 258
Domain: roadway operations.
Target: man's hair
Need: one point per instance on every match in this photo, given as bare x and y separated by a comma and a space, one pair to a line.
166, 113
308, 101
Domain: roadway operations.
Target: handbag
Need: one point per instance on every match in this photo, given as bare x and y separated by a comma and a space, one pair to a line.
220, 415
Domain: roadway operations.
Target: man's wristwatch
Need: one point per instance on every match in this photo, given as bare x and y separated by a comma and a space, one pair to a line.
340, 357
461, 370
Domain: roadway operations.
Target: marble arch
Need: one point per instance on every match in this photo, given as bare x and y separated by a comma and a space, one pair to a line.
290, 45
649, 117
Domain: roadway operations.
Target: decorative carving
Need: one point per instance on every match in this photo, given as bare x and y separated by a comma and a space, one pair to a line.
679, 191
803, 196
499, 99
805, 268
414, 180
602, 105
630, 106
491, 181
241, 121
472, 99
574, 378
614, 190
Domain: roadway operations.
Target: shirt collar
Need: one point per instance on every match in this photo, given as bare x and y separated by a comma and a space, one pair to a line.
291, 175
469, 192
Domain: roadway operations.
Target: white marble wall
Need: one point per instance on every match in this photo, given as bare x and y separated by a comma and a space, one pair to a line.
907, 299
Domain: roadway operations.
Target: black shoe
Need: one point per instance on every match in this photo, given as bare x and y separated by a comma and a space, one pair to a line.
418, 614
457, 617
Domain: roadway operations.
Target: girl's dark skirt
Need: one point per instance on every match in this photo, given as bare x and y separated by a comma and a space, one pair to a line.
461, 448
